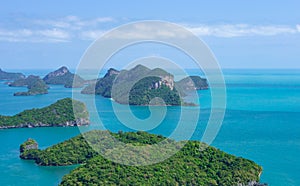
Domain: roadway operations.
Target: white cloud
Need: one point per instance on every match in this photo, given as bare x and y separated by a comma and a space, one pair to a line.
91, 34
240, 30
54, 33
62, 29
26, 35
298, 27
73, 22
143, 30
15, 33
52, 23
104, 19
71, 28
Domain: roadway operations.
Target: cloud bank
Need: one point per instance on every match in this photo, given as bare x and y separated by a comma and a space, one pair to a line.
71, 28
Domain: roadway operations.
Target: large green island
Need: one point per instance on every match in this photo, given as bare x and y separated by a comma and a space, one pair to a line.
189, 166
141, 85
59, 114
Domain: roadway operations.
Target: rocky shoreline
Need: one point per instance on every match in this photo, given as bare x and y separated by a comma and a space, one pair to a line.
78, 122
254, 183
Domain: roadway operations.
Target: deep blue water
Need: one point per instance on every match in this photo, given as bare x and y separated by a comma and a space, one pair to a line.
262, 123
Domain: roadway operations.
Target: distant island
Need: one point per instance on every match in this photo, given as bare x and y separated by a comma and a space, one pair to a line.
140, 85
192, 83
10, 75
189, 166
137, 86
58, 114
63, 76
34, 84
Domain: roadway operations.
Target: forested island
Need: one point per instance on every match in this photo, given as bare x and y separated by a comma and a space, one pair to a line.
63, 76
10, 75
192, 83
140, 85
137, 86
189, 166
34, 84
59, 114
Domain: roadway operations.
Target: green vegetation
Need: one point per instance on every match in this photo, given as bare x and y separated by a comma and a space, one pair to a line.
60, 113
77, 150
189, 166
34, 84
137, 86
63, 76
39, 87
102, 87
145, 90
30, 80
10, 75
73, 151
71, 81
200, 83
192, 83
27, 145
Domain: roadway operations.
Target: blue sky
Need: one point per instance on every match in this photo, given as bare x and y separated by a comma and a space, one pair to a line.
241, 34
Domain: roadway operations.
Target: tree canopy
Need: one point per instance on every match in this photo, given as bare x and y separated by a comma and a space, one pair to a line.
189, 166
58, 114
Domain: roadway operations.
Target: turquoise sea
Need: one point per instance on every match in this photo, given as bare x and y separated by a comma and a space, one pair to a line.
262, 123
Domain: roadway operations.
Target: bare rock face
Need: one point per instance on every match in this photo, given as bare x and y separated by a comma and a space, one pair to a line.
168, 81
112, 72
77, 122
63, 76
59, 72
254, 183
28, 144
164, 80
138, 85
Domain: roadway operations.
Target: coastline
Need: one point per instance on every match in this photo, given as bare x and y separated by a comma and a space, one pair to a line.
78, 122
